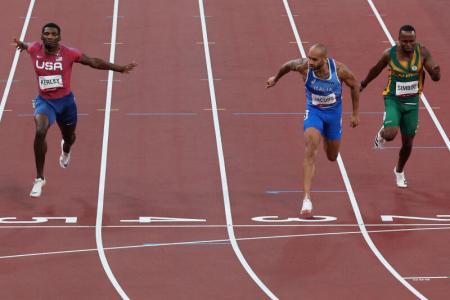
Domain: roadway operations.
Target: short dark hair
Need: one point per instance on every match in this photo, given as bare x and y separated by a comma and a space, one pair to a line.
51, 25
407, 28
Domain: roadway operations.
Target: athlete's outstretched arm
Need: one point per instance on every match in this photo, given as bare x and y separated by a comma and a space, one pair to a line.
20, 45
98, 63
292, 65
376, 70
432, 68
350, 80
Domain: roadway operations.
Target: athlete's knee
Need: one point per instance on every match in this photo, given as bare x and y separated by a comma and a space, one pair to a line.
332, 156
311, 145
389, 133
70, 139
407, 142
332, 150
41, 132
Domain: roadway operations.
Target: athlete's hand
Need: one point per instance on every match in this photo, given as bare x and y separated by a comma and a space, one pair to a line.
354, 120
270, 82
127, 68
20, 45
436, 69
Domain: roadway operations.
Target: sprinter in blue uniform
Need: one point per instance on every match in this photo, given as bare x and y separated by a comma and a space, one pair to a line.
323, 77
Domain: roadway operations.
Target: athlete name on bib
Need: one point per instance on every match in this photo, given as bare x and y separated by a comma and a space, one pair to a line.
406, 88
323, 100
50, 82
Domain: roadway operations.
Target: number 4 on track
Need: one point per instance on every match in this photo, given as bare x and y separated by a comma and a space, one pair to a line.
440, 218
161, 219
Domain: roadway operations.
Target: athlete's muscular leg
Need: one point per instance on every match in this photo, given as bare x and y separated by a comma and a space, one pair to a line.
389, 133
405, 152
40, 144
312, 142
68, 135
331, 148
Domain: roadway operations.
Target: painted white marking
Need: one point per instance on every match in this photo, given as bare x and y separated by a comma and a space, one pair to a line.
15, 60
34, 220
433, 107
209, 43
424, 99
217, 226
440, 218
219, 109
104, 109
161, 219
312, 220
118, 43
223, 175
106, 80
426, 278
101, 186
213, 241
350, 189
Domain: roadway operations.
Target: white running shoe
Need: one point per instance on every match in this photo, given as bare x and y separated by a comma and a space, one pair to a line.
379, 140
400, 178
306, 207
64, 158
36, 191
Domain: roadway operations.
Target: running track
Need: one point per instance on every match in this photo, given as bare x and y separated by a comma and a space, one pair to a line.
159, 156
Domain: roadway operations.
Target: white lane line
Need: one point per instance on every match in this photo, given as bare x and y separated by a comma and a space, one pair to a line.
350, 189
15, 60
424, 99
201, 242
101, 186
213, 226
221, 158
279, 225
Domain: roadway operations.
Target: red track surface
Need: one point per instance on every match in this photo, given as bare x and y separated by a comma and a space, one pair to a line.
164, 163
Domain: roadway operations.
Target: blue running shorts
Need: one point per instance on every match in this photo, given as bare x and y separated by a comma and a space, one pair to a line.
327, 120
63, 110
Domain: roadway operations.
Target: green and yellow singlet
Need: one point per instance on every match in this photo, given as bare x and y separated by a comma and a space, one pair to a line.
406, 78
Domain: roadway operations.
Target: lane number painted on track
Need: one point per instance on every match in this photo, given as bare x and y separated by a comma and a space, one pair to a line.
275, 219
161, 219
439, 218
37, 220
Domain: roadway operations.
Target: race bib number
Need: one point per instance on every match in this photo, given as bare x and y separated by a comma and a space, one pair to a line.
323, 100
50, 82
406, 88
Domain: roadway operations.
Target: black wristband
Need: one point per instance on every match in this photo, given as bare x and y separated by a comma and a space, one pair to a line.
363, 84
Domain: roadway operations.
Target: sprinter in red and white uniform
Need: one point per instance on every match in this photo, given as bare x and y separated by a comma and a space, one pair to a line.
52, 63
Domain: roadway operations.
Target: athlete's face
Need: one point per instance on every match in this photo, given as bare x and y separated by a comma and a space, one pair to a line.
50, 37
407, 40
316, 59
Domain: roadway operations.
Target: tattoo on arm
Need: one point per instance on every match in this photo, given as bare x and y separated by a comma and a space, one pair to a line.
292, 65
296, 64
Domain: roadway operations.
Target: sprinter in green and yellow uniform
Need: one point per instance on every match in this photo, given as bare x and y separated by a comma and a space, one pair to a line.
407, 62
